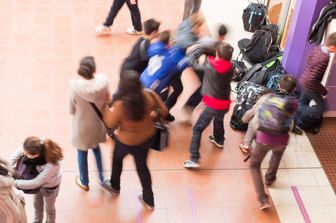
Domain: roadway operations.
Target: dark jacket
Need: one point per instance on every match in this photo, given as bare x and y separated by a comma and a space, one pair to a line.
326, 15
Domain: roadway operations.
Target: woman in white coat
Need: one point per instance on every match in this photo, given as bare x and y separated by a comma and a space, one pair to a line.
87, 128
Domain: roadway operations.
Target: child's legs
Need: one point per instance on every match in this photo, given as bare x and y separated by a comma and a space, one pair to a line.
49, 199
97, 154
202, 122
218, 126
83, 166
251, 132
38, 207
274, 163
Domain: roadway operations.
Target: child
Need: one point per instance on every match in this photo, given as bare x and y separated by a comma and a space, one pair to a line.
46, 156
312, 89
191, 7
216, 96
138, 59
275, 116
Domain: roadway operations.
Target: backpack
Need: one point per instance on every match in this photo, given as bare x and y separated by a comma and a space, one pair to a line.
310, 117
254, 16
258, 48
248, 93
273, 30
239, 71
273, 82
26, 172
236, 122
276, 114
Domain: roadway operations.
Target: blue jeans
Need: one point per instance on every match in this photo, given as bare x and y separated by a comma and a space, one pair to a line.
83, 165
203, 121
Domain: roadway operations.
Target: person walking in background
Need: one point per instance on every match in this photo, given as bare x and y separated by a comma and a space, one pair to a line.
12, 205
191, 7
87, 128
275, 118
45, 156
138, 58
115, 8
131, 115
216, 96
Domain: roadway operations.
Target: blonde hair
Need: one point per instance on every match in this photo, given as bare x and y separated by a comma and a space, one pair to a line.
52, 152
196, 20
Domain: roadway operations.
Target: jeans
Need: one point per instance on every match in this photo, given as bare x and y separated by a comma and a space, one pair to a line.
177, 86
139, 154
251, 131
190, 7
203, 121
304, 100
134, 9
257, 155
45, 199
83, 165
196, 97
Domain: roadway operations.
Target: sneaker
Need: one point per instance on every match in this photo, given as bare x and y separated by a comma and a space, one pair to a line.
150, 207
296, 130
81, 185
132, 31
264, 206
102, 29
244, 148
190, 164
107, 185
212, 139
269, 183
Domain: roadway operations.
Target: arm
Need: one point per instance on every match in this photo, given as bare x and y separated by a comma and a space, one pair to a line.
49, 171
71, 103
111, 115
15, 157
161, 107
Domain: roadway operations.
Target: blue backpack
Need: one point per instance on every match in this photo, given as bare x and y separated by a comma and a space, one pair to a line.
276, 114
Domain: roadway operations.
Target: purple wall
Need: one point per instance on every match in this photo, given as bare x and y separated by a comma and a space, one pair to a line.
331, 85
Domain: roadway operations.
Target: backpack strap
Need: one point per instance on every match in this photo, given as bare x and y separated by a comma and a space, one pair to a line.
95, 108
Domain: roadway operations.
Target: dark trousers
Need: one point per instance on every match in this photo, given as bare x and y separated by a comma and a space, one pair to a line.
203, 121
139, 154
304, 100
177, 86
134, 9
257, 156
196, 97
190, 7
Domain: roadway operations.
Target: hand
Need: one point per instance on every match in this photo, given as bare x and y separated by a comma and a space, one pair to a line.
133, 2
324, 96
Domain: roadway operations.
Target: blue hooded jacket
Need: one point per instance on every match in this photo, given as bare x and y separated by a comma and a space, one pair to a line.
163, 64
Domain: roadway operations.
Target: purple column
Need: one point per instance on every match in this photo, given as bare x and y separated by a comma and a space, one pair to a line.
331, 85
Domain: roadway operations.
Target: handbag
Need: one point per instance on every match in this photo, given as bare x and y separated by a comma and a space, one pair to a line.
26, 172
161, 138
109, 131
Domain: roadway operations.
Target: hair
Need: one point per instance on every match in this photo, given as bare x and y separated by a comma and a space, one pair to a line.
331, 39
3, 167
196, 20
222, 30
287, 83
130, 92
151, 25
225, 51
87, 67
52, 152
165, 36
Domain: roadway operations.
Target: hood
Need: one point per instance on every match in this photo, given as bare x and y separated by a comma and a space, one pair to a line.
89, 89
6, 181
157, 48
220, 65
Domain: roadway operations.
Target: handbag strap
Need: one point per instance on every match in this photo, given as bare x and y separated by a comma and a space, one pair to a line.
95, 108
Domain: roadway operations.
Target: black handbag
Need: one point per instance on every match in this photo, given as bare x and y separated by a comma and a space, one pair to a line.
109, 131
161, 138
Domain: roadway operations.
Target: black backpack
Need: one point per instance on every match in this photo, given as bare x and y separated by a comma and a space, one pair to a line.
236, 122
310, 117
254, 16
239, 71
273, 30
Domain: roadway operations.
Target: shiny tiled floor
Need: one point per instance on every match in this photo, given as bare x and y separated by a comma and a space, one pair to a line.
40, 46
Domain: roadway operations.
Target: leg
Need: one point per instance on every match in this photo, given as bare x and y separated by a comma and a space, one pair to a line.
140, 157
251, 132
257, 155
196, 97
38, 207
116, 6
218, 126
135, 15
83, 166
197, 6
120, 151
97, 154
202, 122
187, 8
274, 162
176, 83
49, 199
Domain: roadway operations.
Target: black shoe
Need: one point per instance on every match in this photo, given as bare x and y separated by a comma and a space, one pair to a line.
107, 185
150, 207
269, 183
296, 130
315, 130
170, 118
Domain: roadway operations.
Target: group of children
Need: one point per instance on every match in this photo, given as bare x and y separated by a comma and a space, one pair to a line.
158, 66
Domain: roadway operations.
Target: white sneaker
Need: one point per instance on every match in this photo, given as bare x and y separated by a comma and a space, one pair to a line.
132, 31
190, 164
102, 29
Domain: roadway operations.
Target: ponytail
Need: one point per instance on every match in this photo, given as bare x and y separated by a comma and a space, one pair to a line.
52, 152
